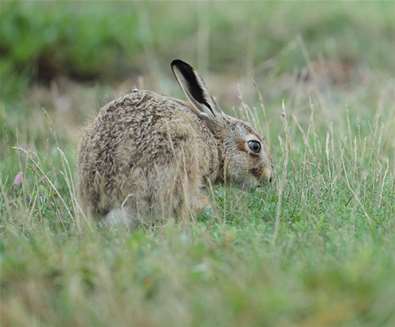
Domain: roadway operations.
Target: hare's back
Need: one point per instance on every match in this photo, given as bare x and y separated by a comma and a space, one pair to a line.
142, 110
140, 129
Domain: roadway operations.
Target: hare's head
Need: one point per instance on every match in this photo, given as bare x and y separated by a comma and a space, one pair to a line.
246, 159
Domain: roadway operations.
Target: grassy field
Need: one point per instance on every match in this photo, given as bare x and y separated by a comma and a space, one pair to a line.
316, 248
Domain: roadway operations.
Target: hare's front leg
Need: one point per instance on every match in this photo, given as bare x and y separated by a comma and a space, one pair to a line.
202, 204
190, 197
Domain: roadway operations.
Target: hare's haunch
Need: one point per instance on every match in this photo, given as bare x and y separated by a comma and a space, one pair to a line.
149, 156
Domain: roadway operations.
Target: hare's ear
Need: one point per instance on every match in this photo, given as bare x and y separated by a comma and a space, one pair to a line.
194, 88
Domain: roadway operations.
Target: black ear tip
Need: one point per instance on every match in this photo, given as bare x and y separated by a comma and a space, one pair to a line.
180, 64
176, 62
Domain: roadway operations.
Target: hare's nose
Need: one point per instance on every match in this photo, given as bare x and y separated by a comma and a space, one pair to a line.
267, 174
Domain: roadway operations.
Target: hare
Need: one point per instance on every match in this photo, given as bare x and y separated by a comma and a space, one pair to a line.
148, 156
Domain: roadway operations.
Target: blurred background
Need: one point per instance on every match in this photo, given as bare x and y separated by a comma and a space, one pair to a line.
110, 42
66, 59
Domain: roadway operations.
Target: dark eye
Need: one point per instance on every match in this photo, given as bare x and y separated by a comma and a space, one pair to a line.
254, 146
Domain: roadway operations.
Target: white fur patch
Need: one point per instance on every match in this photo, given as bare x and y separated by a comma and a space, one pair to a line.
120, 217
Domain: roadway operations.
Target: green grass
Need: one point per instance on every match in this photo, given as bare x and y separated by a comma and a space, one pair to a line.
316, 248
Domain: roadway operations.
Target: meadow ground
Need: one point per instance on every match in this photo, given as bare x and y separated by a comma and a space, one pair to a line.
315, 248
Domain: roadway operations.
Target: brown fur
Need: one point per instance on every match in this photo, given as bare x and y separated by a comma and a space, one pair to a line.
140, 143
153, 155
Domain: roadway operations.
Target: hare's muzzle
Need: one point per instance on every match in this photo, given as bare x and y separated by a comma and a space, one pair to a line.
263, 174
267, 174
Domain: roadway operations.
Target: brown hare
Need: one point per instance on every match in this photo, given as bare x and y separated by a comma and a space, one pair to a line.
147, 156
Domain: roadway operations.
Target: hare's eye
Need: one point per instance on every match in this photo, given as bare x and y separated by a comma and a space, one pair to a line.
254, 146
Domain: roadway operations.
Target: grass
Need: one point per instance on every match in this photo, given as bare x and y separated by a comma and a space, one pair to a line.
318, 253
316, 248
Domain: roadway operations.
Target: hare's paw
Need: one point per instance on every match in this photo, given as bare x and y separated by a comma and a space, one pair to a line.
204, 208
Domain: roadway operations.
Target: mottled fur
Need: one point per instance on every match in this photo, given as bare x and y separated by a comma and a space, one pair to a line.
153, 155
